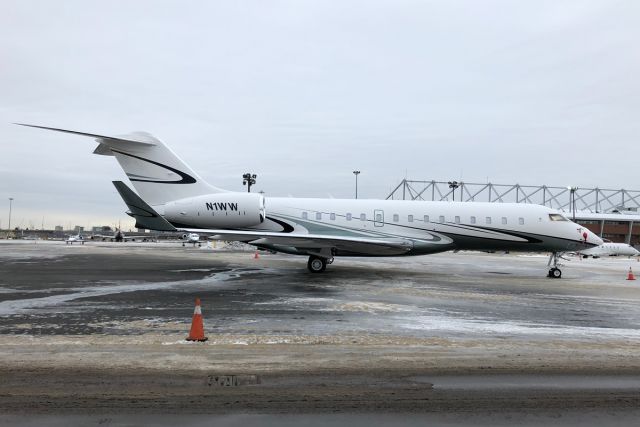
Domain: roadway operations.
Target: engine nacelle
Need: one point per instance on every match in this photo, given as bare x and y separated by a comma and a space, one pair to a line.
218, 210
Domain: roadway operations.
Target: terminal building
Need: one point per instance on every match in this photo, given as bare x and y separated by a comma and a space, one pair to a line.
614, 215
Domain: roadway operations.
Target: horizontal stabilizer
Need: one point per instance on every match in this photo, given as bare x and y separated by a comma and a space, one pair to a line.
145, 215
136, 138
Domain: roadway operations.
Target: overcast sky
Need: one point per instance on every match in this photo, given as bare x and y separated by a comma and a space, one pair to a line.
304, 92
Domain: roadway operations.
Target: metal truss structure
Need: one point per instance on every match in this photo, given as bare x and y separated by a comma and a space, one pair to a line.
597, 200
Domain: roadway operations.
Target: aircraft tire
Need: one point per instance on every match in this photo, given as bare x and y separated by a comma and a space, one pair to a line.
555, 273
316, 264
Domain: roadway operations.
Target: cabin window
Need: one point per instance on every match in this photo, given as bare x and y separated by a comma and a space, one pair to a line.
488, 220
426, 218
318, 216
348, 217
521, 221
457, 219
363, 217
378, 217
442, 218
472, 220
396, 217
332, 216
410, 218
557, 217
504, 219
305, 215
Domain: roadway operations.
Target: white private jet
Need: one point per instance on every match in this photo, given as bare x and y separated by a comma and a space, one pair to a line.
172, 197
117, 236
610, 249
75, 239
193, 238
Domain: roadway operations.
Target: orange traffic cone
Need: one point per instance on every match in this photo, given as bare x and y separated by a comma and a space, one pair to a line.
197, 326
256, 256
630, 276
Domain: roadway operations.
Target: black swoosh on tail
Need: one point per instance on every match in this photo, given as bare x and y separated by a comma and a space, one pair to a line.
186, 178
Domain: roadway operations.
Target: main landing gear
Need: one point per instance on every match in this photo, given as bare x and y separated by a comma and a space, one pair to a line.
554, 271
318, 264
194, 244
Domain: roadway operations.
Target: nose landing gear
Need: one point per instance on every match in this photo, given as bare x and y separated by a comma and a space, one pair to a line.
554, 271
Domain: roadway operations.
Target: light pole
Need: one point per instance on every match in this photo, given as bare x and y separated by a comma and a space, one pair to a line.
453, 185
249, 179
356, 173
573, 201
10, 205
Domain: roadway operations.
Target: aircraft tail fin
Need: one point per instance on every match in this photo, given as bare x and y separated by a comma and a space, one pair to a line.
145, 215
155, 171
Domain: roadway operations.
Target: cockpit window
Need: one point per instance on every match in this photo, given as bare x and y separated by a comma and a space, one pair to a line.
557, 217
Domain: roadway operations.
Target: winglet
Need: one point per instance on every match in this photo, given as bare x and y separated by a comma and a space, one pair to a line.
145, 215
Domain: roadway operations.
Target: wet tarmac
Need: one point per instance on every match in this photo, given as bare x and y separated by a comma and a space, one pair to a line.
435, 323
48, 289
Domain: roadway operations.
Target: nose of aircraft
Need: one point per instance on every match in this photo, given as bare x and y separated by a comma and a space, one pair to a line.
591, 238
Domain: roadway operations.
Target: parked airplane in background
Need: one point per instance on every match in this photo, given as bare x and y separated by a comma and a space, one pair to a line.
117, 236
191, 238
172, 197
610, 249
75, 239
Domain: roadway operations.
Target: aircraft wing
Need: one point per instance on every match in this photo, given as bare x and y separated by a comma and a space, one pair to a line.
100, 236
312, 242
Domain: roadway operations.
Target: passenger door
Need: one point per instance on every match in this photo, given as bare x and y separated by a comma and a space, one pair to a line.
378, 217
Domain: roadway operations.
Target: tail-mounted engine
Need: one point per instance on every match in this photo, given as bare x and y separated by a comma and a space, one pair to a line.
219, 210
